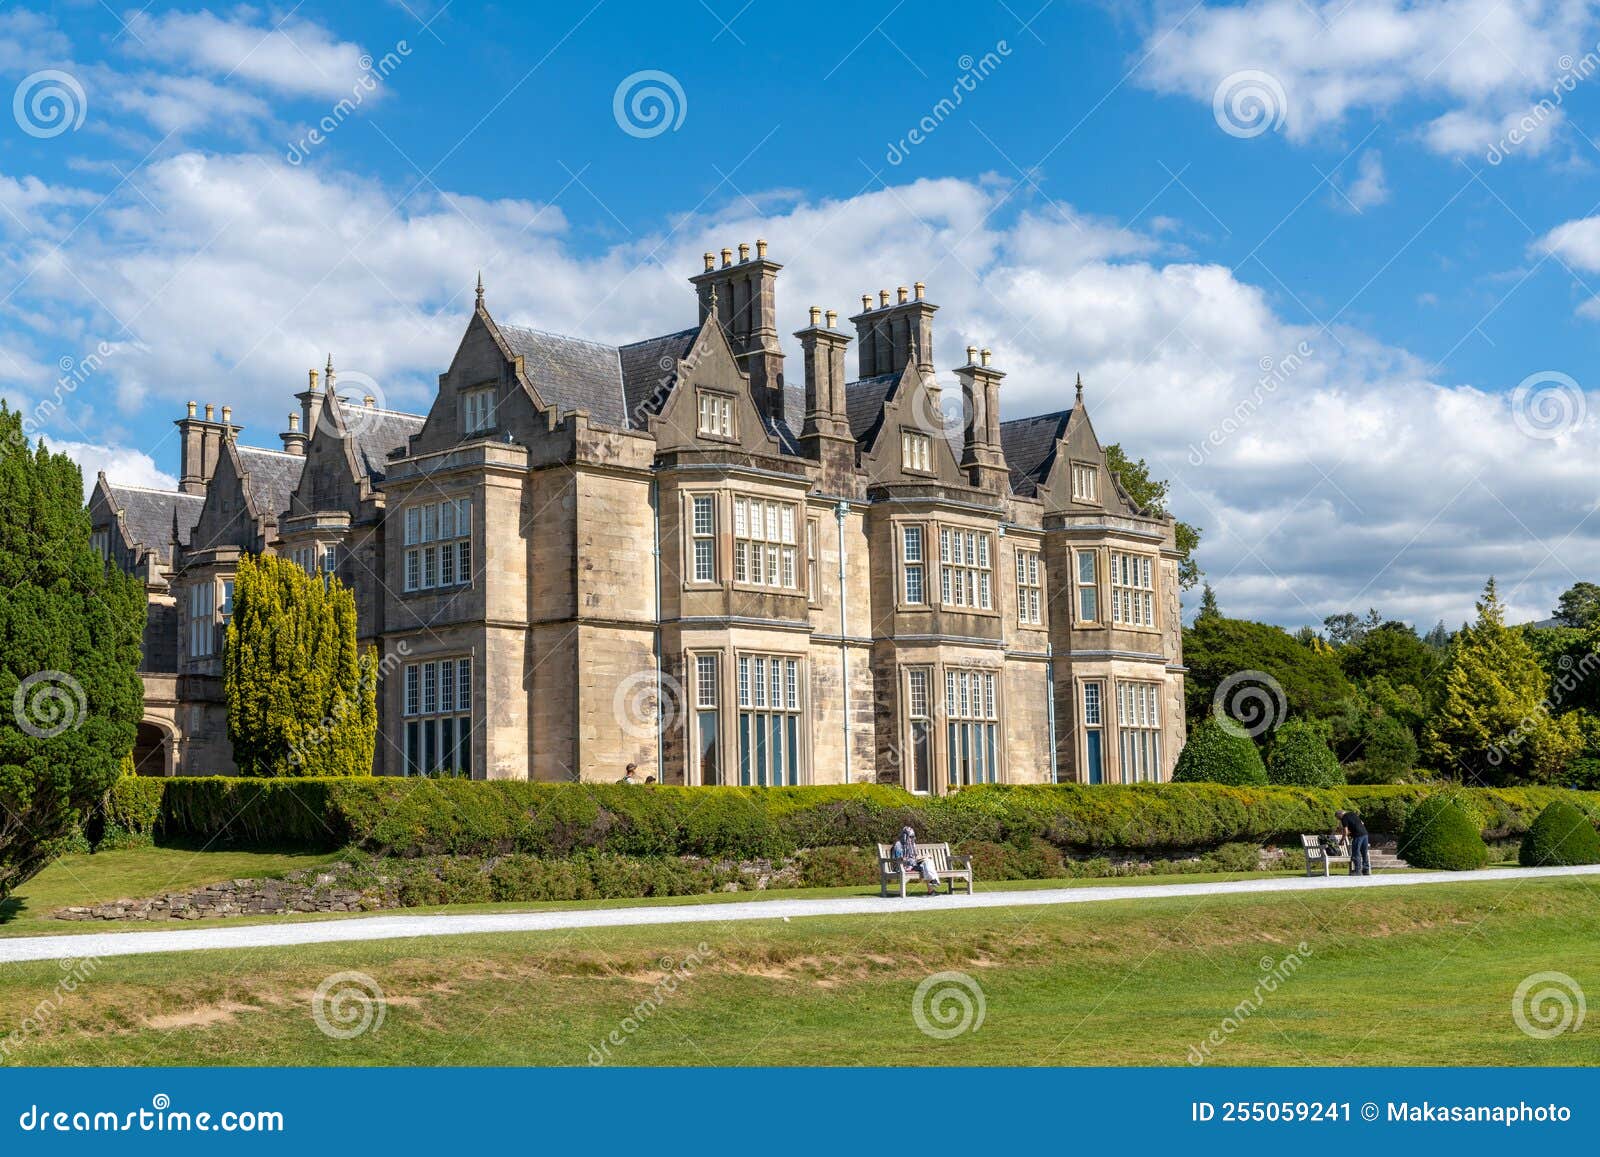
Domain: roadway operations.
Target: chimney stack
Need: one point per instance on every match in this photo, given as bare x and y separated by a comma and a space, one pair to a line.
892, 336
200, 445
981, 454
294, 438
310, 400
826, 435
746, 304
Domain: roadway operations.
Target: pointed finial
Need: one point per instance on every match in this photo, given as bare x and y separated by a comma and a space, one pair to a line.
713, 299
1080, 389
480, 287
327, 375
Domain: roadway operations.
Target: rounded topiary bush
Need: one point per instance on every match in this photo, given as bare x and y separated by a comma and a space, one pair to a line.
1561, 836
1300, 758
1217, 755
1439, 834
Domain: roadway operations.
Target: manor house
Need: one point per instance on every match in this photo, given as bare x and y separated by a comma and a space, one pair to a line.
684, 554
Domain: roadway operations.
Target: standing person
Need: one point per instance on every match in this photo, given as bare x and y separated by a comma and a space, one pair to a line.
628, 776
1356, 832
905, 850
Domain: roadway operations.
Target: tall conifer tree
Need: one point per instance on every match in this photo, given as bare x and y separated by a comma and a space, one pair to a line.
70, 631
302, 698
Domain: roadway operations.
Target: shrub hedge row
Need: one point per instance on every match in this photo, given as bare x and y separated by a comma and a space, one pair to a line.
412, 817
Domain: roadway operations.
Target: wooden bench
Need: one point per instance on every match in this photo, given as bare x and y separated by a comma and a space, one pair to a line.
950, 868
1316, 853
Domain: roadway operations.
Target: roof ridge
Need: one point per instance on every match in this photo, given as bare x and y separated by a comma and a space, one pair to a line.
153, 490
563, 336
647, 340
380, 410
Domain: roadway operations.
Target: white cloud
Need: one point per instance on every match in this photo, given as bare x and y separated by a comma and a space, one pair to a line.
119, 463
1357, 481
1487, 61
293, 56
1575, 242
1370, 187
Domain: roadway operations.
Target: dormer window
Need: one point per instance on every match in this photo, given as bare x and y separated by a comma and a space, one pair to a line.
1085, 483
716, 415
916, 452
477, 411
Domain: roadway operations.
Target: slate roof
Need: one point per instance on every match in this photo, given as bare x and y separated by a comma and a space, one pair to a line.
570, 373
1030, 448
274, 475
148, 515
376, 432
650, 370
864, 402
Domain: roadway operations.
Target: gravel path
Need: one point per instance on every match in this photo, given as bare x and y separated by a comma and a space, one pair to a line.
133, 943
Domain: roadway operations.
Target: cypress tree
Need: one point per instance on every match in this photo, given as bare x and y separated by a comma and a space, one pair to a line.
302, 698
70, 632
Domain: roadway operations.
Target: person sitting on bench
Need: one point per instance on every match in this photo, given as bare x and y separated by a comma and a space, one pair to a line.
905, 850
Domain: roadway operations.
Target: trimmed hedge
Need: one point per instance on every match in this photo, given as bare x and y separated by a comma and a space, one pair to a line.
1561, 836
416, 817
1440, 834
1214, 754
1301, 758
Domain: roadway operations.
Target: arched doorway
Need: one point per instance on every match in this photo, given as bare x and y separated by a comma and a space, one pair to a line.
151, 750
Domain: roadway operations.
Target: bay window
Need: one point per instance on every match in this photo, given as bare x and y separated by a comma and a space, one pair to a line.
438, 717
202, 619
765, 551
1088, 588
1139, 731
769, 720
972, 722
438, 542
965, 573
1133, 592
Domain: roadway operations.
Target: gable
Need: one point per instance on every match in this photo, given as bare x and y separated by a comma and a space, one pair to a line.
710, 367
909, 405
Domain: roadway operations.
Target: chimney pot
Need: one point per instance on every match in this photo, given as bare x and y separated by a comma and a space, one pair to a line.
727, 258
227, 413
369, 401
883, 298
921, 290
833, 317
866, 303
711, 263
816, 315
761, 249
744, 252
211, 412
313, 379
984, 354
903, 293
972, 354
294, 422
191, 409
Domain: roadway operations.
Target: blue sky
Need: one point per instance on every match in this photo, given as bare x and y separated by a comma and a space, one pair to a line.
1332, 268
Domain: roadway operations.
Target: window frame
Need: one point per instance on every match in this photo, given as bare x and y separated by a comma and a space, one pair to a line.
1086, 483
1133, 603
423, 545
1030, 586
436, 710
1138, 704
480, 411
916, 451
966, 569
760, 675
909, 567
770, 550
718, 407
702, 544
1086, 588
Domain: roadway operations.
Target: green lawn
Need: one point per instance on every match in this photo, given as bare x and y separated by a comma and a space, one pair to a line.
135, 873
140, 872
1392, 976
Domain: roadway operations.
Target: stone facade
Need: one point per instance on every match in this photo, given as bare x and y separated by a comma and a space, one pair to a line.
667, 554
